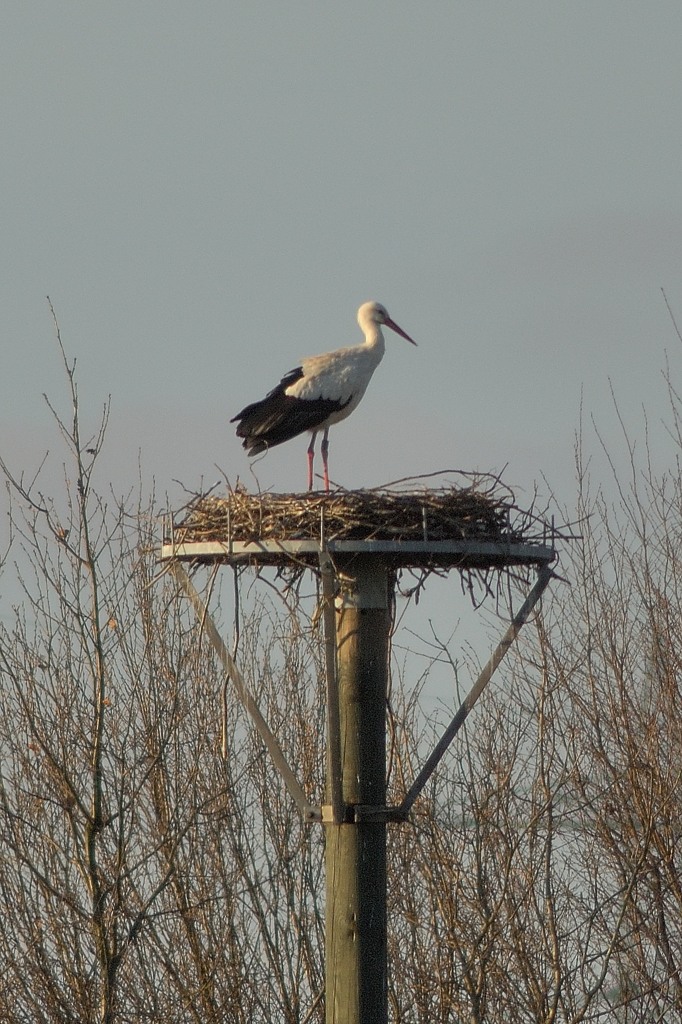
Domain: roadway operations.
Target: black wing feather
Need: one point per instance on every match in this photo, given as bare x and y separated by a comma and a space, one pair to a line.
278, 417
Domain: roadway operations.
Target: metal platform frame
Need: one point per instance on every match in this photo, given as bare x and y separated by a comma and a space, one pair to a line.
356, 579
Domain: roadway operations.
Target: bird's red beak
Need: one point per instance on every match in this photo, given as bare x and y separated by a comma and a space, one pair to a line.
398, 330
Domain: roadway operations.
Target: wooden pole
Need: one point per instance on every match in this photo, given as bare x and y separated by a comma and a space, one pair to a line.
356, 952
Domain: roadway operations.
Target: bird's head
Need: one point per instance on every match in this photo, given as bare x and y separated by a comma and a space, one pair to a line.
375, 313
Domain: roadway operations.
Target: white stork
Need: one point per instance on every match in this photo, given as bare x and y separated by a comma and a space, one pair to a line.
322, 391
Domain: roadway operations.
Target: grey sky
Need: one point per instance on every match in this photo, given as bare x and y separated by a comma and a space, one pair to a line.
208, 191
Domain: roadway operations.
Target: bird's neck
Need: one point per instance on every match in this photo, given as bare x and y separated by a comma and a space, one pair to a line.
374, 339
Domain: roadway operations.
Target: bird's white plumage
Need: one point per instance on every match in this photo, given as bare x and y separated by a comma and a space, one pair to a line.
340, 376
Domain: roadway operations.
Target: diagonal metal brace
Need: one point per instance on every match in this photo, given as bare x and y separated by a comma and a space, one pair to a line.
544, 576
310, 812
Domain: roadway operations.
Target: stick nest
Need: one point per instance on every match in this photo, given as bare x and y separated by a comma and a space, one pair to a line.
477, 507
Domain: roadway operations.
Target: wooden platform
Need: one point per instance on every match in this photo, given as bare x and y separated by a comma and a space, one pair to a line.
456, 554
466, 528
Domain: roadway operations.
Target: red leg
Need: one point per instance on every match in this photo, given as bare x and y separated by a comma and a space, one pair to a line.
311, 459
324, 448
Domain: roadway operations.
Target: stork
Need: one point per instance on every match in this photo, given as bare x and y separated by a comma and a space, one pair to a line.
320, 392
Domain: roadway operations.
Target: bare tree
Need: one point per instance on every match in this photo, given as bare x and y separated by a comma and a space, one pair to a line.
145, 872
152, 867
542, 881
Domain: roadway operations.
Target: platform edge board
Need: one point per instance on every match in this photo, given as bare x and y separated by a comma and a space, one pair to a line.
457, 552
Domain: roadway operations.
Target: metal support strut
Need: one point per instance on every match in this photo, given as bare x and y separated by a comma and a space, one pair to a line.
310, 813
521, 617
